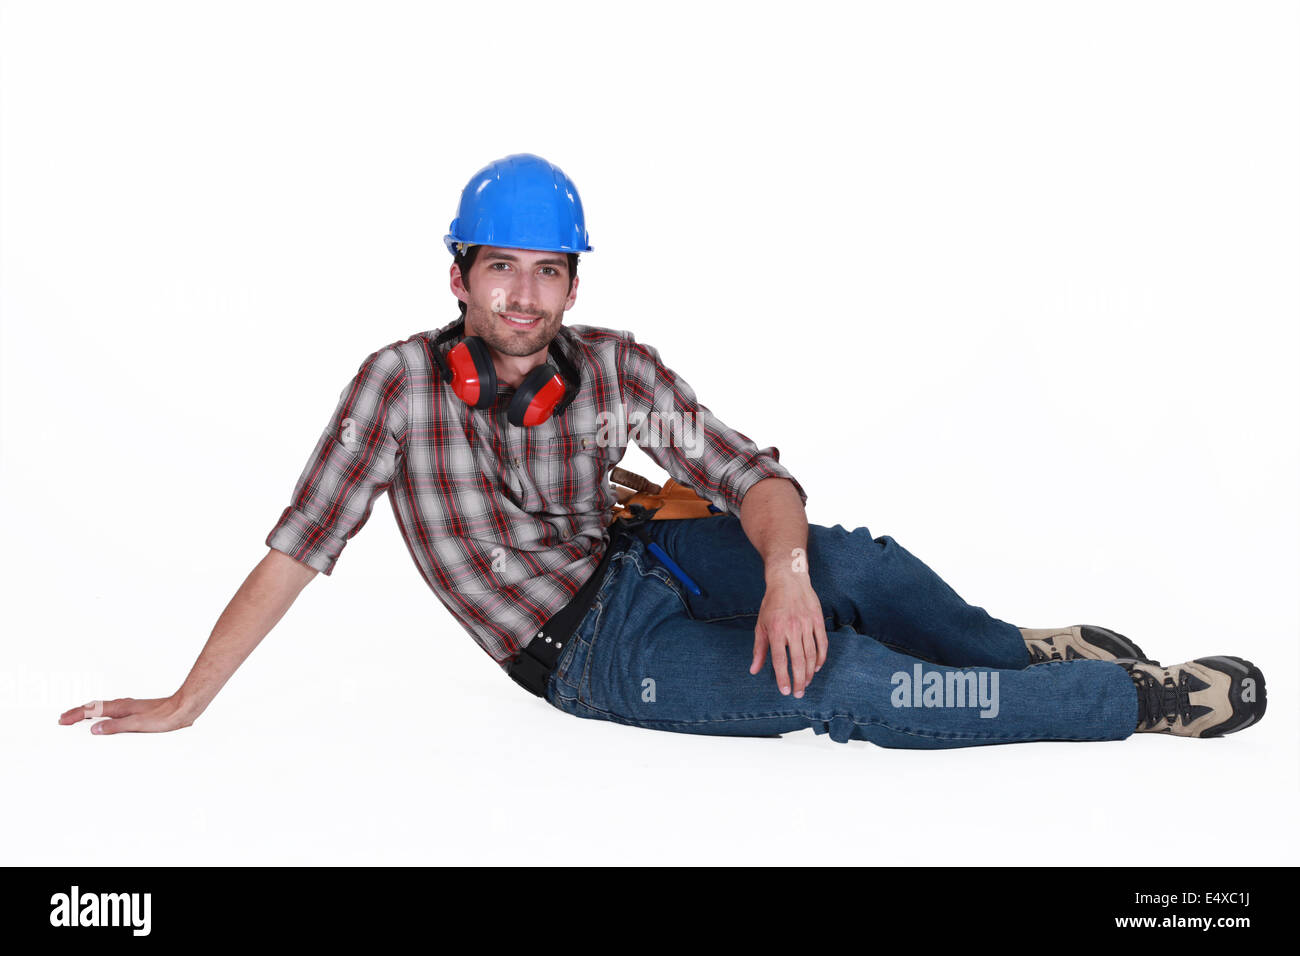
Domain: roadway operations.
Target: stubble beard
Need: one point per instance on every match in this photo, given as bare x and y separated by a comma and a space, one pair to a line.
487, 325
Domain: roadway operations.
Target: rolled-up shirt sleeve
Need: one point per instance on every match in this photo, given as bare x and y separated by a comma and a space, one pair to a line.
685, 438
354, 461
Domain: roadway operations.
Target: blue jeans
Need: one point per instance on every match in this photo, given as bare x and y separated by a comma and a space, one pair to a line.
910, 664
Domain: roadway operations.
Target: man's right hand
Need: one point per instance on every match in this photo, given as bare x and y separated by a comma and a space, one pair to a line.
126, 714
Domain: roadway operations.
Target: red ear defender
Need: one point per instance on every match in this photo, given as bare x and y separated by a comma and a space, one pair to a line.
473, 376
538, 394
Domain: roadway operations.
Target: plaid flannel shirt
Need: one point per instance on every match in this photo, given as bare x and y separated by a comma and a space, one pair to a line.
506, 523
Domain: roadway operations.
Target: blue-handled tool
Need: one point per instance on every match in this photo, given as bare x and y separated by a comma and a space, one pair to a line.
671, 565
637, 526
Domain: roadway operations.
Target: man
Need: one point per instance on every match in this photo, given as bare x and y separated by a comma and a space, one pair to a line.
493, 436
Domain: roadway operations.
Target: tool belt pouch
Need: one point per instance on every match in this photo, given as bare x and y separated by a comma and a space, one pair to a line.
672, 500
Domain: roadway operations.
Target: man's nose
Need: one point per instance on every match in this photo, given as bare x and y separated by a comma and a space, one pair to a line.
523, 297
525, 288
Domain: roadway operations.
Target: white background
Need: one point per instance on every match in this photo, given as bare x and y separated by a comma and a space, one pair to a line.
1015, 283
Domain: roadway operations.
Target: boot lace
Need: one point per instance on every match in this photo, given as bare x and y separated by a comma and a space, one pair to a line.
1166, 699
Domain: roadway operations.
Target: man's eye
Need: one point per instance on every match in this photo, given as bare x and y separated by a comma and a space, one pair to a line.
551, 269
495, 264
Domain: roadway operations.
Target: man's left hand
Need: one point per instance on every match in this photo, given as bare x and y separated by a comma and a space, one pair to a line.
790, 623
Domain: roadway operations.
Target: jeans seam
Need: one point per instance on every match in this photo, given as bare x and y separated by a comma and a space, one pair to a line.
585, 679
829, 620
651, 724
726, 617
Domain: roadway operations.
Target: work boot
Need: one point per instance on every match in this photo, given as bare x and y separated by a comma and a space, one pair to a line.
1207, 697
1081, 641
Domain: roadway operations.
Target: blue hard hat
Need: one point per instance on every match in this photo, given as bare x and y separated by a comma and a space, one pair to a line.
521, 202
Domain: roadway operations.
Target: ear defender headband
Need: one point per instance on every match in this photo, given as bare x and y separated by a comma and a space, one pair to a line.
545, 391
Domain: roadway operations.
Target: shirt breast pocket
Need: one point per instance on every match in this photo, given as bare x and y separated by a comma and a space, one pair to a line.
570, 470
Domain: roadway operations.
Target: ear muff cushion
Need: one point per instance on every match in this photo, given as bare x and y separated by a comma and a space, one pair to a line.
472, 365
536, 398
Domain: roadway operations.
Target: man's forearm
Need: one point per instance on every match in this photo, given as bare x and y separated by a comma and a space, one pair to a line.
263, 598
773, 518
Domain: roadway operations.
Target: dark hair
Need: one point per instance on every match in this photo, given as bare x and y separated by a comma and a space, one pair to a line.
466, 261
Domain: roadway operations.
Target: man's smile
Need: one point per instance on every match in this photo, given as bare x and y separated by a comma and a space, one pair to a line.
520, 320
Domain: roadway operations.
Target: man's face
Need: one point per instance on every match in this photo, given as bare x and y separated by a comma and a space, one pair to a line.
516, 298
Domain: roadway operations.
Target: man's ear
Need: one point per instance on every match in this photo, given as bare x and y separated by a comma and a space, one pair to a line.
573, 294
458, 284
